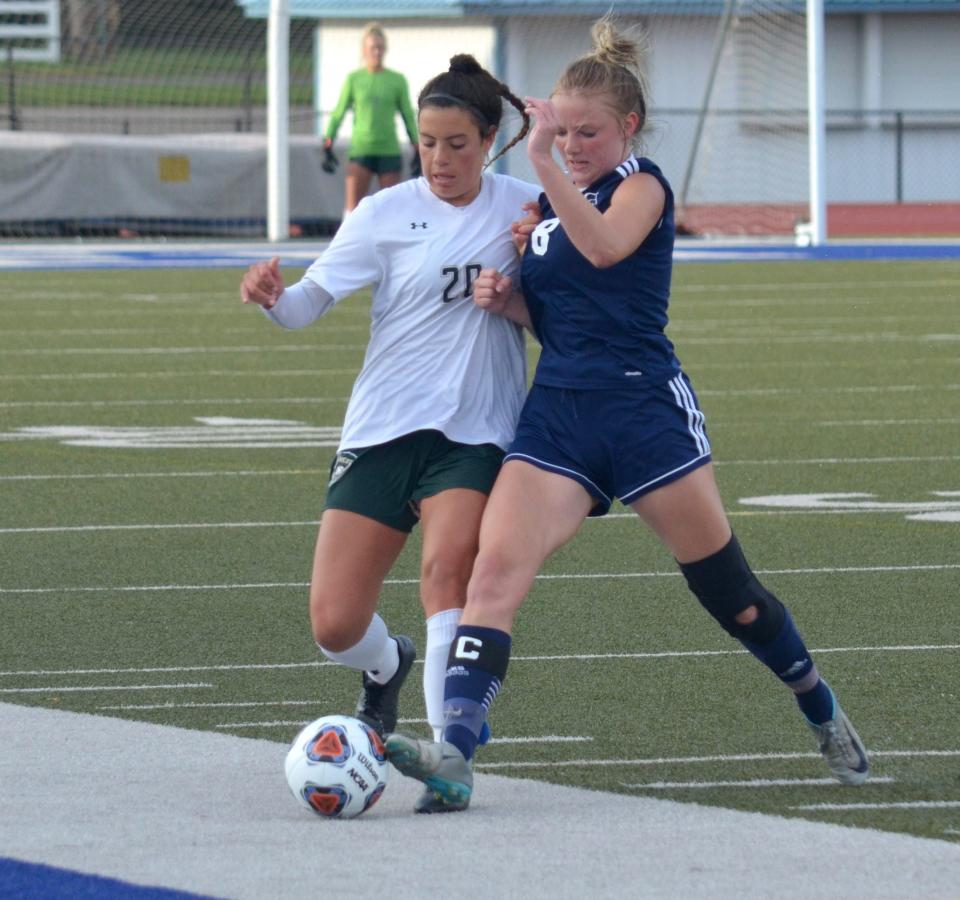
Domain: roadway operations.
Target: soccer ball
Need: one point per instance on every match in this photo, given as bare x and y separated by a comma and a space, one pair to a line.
337, 767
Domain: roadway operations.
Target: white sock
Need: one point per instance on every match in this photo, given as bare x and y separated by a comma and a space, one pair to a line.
441, 630
376, 653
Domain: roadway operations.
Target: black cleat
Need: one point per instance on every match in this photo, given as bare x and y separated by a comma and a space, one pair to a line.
378, 703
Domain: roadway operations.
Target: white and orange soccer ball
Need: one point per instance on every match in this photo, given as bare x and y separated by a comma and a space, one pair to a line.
337, 767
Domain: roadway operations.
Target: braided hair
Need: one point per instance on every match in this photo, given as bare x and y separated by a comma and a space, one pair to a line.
466, 84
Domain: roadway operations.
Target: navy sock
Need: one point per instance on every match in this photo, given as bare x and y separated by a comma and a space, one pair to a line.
787, 657
817, 704
476, 668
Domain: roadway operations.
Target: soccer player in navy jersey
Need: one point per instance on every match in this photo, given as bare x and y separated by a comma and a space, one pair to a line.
610, 415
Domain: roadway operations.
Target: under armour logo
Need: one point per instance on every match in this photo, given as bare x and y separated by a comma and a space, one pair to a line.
418, 224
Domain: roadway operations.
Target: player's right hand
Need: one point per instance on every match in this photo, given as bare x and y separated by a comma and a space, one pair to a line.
262, 284
521, 230
491, 290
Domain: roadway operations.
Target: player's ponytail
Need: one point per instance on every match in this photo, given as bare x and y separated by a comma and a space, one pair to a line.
613, 68
468, 85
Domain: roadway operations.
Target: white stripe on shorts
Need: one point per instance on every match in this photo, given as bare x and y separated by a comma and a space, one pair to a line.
630, 496
695, 418
572, 474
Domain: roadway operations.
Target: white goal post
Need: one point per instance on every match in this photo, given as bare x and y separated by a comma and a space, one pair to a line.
278, 121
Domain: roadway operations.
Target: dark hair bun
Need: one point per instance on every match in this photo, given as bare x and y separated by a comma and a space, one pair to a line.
465, 63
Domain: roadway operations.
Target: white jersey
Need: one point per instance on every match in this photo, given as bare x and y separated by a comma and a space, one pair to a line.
434, 360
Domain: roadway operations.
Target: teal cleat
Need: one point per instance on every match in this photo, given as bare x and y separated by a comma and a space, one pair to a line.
440, 766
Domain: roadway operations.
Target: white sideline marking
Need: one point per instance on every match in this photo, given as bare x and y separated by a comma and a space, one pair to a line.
746, 783
576, 843
825, 570
58, 689
698, 760
911, 804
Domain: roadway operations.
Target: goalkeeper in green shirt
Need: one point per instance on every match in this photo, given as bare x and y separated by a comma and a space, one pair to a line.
375, 94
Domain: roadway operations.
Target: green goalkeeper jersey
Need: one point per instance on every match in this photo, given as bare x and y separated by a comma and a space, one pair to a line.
374, 97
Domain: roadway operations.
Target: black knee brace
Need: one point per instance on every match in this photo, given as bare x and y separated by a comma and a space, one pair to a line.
726, 586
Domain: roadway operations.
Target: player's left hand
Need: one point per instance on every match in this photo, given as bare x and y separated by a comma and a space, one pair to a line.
521, 230
491, 290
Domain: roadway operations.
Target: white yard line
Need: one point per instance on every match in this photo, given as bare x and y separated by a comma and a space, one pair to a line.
213, 402
95, 688
907, 804
698, 760
259, 585
744, 783
192, 375
256, 473
180, 351
155, 527
241, 473
175, 401
161, 526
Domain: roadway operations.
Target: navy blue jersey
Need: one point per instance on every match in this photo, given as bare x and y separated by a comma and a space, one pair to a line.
601, 328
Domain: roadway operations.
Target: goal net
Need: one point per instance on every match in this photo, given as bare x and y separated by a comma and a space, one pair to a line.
138, 118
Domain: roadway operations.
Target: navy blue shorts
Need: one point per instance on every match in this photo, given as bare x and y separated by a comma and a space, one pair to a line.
619, 443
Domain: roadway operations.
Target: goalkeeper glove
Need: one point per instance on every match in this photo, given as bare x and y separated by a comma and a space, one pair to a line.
330, 161
416, 170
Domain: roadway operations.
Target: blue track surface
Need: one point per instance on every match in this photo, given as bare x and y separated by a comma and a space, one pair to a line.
92, 255
30, 881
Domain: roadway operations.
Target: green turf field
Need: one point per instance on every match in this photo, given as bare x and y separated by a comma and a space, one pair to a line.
155, 550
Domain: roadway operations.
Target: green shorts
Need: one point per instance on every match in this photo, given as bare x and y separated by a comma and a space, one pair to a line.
386, 482
379, 165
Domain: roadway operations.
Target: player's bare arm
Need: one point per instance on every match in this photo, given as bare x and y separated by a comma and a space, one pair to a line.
603, 238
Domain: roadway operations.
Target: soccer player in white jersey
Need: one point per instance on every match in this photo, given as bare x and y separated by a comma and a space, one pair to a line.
437, 400
610, 414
